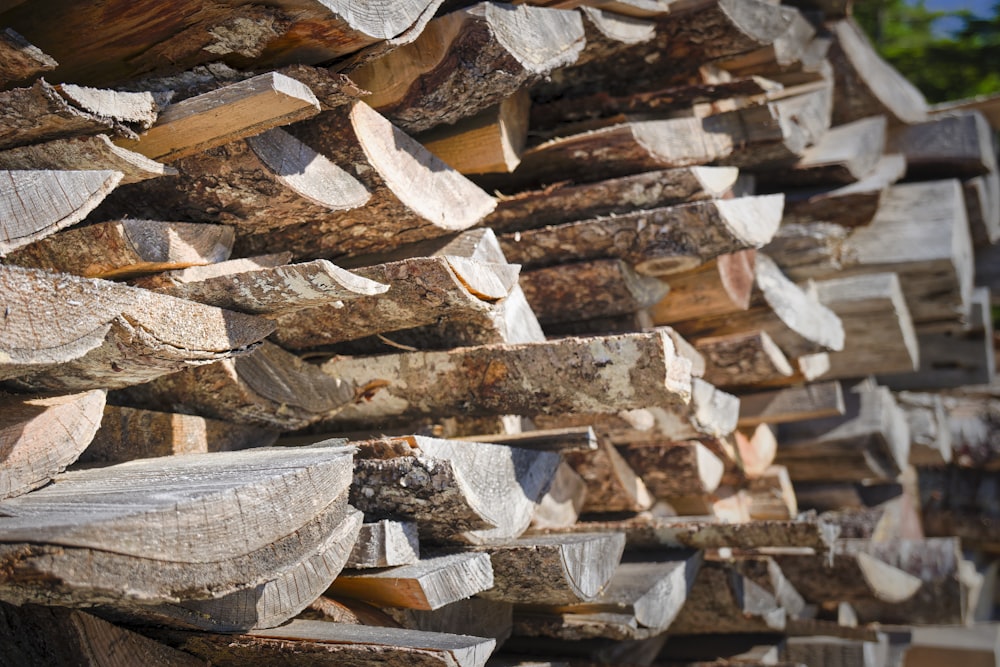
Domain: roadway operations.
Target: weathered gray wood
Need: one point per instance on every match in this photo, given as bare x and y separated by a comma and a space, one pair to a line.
385, 543
22, 61
36, 635
566, 202
126, 434
39, 437
127, 248
517, 379
982, 207
468, 60
676, 468
474, 616
110, 335
268, 387
455, 491
958, 145
836, 651
90, 153
169, 279
36, 204
658, 241
555, 569
429, 584
611, 485
317, 642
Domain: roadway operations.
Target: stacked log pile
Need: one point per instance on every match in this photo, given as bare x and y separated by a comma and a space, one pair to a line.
635, 332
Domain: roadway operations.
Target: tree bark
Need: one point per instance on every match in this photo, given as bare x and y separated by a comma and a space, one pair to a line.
22, 60
89, 153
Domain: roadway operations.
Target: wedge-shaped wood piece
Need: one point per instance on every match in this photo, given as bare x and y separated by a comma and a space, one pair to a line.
456, 491
982, 206
126, 434
870, 441
845, 154
269, 388
37, 635
385, 543
44, 112
36, 204
675, 468
127, 248
316, 642
22, 61
111, 335
930, 432
588, 290
611, 485
865, 304
866, 84
468, 60
742, 359
562, 503
428, 584
248, 107
958, 145
656, 242
772, 496
285, 32
723, 599
555, 569
567, 375
39, 437
719, 286
90, 153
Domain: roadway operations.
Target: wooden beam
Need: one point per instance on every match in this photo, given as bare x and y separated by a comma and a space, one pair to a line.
988, 105
565, 440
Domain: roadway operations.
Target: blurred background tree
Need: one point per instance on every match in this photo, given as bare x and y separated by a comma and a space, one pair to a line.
948, 54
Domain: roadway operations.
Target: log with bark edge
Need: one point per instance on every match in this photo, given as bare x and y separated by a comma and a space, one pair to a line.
468, 60
385, 543
177, 278
719, 286
39, 437
111, 336
569, 440
89, 153
508, 379
456, 491
37, 204
127, 248
22, 61
610, 483
675, 468
742, 359
126, 434
428, 584
958, 145
473, 616
193, 33
285, 192
656, 242
784, 54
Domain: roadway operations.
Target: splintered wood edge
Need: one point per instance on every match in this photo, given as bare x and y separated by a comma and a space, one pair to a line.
577, 560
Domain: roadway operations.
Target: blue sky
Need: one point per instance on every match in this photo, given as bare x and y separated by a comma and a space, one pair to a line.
980, 7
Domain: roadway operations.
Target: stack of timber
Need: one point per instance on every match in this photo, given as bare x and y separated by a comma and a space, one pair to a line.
632, 332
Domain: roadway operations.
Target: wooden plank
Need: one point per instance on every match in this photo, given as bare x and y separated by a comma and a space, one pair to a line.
656, 242
385, 543
483, 48
98, 345
88, 153
429, 584
127, 248
988, 105
474, 616
232, 112
39, 437
22, 61
36, 204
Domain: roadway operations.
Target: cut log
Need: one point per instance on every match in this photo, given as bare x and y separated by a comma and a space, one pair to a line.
958, 145
249, 107
567, 203
490, 141
36, 635
22, 61
588, 290
562, 503
429, 584
36, 204
316, 642
169, 279
127, 248
867, 85
675, 469
516, 379
656, 242
455, 491
44, 112
784, 53
555, 569
149, 42
385, 544
111, 336
742, 359
468, 60
93, 153
39, 437
930, 433
719, 286
566, 440
268, 387
724, 600
610, 484
982, 207
126, 434
870, 441
772, 496
867, 304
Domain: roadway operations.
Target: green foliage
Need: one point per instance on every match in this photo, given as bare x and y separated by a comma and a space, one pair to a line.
945, 66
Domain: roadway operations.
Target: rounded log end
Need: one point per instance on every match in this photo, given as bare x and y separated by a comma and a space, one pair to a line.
540, 38
753, 220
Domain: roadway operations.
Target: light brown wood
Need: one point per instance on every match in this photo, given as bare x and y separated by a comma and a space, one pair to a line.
127, 248
771, 495
22, 61
719, 286
39, 437
675, 469
755, 452
822, 399
737, 360
610, 483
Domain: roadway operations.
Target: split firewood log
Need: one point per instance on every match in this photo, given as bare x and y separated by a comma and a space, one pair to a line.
22, 60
